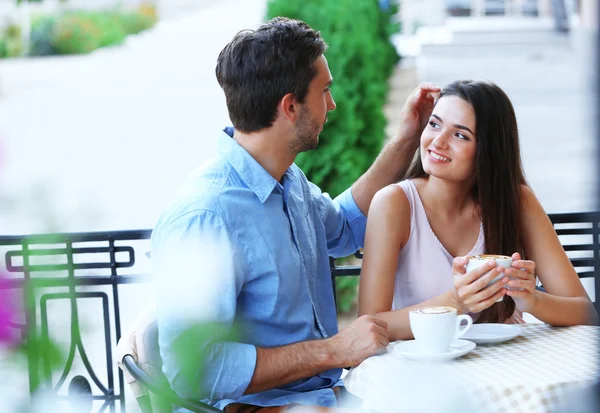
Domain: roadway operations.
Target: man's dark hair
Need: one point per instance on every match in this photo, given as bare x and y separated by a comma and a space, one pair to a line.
259, 67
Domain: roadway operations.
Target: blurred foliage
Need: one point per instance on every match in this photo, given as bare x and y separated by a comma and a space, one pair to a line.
78, 32
45, 350
75, 33
148, 10
10, 41
361, 59
346, 288
195, 344
41, 36
35, 346
109, 25
136, 22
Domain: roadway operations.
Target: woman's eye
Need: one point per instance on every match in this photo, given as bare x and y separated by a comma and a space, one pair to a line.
433, 124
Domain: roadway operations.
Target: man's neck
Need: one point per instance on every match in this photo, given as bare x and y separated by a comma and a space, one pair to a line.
269, 148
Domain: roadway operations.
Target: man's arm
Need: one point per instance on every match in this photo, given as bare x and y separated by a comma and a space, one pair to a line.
200, 273
395, 158
278, 366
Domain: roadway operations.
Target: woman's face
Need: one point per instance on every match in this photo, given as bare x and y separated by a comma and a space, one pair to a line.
448, 143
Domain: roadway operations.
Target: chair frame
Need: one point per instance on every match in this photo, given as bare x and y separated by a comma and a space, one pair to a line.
30, 278
153, 386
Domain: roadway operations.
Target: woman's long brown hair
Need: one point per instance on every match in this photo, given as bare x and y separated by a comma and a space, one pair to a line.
498, 175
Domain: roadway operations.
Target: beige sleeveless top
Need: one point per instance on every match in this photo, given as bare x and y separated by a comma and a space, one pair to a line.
424, 265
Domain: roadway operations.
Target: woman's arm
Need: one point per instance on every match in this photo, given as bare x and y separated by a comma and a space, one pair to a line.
388, 230
566, 302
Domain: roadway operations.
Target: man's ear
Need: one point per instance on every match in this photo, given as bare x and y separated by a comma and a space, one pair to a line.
288, 106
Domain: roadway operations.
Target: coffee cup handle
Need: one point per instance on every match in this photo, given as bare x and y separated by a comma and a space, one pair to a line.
461, 331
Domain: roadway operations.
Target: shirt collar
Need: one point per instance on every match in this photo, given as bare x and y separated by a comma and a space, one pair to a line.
253, 174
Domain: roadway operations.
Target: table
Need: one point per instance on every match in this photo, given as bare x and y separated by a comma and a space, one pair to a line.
531, 373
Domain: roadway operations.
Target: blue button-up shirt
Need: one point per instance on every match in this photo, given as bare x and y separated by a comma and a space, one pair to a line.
280, 235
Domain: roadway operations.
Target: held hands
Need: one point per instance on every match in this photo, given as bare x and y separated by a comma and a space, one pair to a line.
365, 337
522, 283
416, 111
471, 292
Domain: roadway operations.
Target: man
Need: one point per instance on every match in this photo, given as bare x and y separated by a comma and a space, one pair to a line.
274, 231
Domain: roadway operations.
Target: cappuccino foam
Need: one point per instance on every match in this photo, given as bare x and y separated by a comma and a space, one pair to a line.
433, 310
490, 257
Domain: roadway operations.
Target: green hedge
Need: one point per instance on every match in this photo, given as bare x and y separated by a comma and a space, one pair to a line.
10, 41
77, 32
85, 31
361, 59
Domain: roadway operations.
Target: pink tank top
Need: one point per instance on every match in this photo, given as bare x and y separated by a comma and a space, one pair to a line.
424, 265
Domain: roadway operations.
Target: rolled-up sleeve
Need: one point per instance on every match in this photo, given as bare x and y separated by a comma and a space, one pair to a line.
200, 270
345, 224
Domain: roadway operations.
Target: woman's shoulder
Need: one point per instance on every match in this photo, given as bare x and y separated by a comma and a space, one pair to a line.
391, 204
390, 213
529, 202
526, 193
393, 196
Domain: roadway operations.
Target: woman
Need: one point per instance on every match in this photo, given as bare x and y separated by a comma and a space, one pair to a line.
466, 194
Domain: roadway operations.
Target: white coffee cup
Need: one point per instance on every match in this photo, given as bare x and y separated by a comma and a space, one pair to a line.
477, 261
435, 328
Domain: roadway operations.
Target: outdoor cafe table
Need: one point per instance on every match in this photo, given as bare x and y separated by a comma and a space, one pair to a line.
530, 373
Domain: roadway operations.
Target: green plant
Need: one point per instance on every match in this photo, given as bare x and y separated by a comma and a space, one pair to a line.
14, 47
149, 10
41, 42
12, 43
76, 33
345, 290
139, 19
109, 26
361, 59
2, 48
13, 31
134, 22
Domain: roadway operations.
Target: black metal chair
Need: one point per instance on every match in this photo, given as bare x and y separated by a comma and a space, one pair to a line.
579, 233
111, 262
580, 237
584, 254
165, 393
157, 396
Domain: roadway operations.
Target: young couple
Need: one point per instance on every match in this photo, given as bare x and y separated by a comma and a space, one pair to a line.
464, 194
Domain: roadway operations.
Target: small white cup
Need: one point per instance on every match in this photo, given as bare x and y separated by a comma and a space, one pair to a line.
435, 328
477, 261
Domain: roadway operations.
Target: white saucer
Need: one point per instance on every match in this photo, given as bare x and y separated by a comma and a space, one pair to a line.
410, 349
492, 333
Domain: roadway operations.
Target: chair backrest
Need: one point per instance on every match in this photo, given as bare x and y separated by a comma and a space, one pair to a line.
579, 234
150, 362
75, 268
82, 274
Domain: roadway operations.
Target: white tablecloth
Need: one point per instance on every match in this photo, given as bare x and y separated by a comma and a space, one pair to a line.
527, 374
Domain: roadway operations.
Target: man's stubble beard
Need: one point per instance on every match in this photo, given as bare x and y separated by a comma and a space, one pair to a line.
306, 133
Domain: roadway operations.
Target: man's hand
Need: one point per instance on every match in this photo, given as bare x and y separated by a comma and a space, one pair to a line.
365, 337
416, 112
